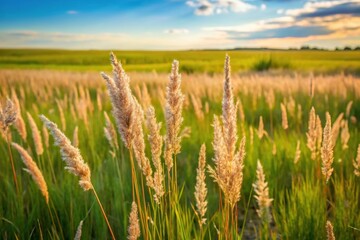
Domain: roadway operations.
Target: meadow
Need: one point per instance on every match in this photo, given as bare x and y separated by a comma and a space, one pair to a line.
281, 156
198, 61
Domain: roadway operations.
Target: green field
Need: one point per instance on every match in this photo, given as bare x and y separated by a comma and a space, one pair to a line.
191, 61
302, 199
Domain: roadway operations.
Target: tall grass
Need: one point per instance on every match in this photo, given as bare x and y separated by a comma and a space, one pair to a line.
155, 199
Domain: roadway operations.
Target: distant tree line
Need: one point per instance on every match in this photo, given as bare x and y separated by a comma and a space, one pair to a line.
346, 48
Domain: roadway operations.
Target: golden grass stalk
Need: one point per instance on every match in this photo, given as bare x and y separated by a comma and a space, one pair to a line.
173, 117
297, 152
122, 100
327, 150
261, 131
145, 96
274, 149
284, 120
75, 163
319, 134
197, 105
241, 111
251, 132
6, 136
79, 231
156, 142
314, 134
99, 101
21, 127
329, 231
207, 107
134, 227
356, 163
33, 170
200, 187
139, 144
270, 99
262, 194
19, 123
8, 115
110, 132
45, 136
299, 113
228, 172
128, 115
335, 130
229, 116
311, 134
348, 108
290, 106
61, 113
70, 155
75, 141
345, 134
36, 135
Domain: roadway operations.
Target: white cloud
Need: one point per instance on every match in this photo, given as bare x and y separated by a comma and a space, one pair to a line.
263, 7
280, 11
255, 26
72, 12
206, 7
177, 31
326, 21
313, 6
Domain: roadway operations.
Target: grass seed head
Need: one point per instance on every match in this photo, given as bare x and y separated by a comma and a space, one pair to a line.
70, 155
33, 170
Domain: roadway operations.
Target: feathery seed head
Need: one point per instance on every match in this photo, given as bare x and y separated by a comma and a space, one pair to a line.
138, 144
329, 231
173, 115
262, 194
70, 155
75, 141
36, 135
229, 116
33, 170
134, 227
156, 142
121, 99
284, 122
261, 131
8, 115
200, 187
79, 231
327, 150
110, 132
356, 163
297, 152
345, 135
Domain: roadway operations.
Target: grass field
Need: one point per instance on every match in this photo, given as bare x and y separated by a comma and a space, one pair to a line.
192, 61
303, 201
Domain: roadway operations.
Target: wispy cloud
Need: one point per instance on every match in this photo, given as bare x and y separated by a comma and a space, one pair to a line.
196, 40
315, 20
176, 31
326, 8
206, 8
56, 39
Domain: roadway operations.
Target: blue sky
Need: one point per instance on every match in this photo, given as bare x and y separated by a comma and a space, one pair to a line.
178, 24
